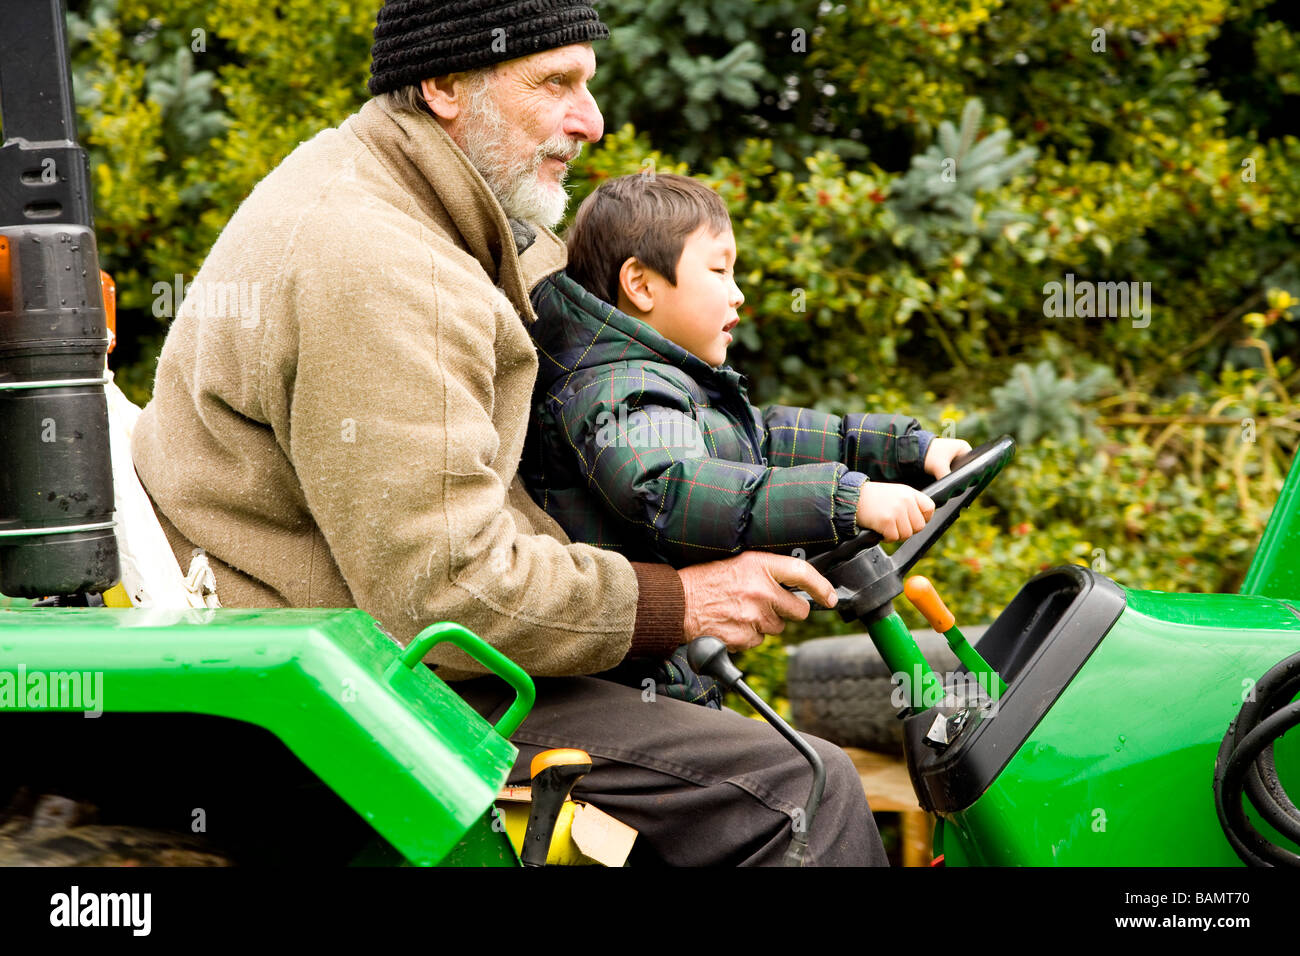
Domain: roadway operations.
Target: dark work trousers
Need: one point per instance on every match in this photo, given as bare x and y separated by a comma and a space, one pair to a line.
702, 787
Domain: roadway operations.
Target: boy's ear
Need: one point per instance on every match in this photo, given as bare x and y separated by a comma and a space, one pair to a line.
635, 286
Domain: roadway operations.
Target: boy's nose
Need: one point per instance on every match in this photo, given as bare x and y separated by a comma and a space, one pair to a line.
737, 297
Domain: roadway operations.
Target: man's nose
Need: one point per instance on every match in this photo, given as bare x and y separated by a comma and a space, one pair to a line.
584, 121
737, 297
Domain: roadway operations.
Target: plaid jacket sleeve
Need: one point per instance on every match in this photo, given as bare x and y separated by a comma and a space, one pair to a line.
883, 447
647, 458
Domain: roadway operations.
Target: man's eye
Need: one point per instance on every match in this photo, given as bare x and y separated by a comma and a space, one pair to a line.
557, 79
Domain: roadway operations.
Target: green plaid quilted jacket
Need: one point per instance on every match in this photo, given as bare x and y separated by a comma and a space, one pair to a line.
638, 446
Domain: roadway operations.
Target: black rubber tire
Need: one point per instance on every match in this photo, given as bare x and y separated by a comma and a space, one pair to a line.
839, 688
115, 846
53, 830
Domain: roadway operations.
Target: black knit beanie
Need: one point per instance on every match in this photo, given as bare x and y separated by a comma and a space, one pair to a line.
419, 39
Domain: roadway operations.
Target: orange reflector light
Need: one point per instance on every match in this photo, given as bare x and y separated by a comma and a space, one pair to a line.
109, 288
6, 277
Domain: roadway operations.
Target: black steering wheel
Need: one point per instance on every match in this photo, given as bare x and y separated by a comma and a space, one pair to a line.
865, 577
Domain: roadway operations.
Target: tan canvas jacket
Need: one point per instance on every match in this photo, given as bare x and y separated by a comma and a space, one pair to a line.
341, 404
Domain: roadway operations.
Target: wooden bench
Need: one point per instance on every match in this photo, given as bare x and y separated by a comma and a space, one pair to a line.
889, 790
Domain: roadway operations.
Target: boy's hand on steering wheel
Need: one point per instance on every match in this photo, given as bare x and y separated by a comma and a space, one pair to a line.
938, 459
895, 511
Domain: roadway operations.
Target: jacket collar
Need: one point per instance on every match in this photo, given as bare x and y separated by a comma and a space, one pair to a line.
576, 330
449, 195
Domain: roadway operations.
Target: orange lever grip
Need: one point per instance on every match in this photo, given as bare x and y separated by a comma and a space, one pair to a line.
559, 756
926, 599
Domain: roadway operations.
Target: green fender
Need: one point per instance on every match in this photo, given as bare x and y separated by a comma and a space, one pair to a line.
388, 736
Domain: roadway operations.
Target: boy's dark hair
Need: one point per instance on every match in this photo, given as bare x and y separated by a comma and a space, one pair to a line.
646, 216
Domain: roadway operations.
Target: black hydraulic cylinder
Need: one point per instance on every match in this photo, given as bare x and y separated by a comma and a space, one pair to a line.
56, 482
57, 475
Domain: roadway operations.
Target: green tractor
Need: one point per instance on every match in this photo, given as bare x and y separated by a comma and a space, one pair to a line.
1110, 726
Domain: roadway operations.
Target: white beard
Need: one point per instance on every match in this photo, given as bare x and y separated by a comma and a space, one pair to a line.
485, 139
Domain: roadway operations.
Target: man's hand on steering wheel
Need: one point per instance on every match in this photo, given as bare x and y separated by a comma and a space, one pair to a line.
742, 599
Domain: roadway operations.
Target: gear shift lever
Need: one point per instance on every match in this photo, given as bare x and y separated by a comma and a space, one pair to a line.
708, 655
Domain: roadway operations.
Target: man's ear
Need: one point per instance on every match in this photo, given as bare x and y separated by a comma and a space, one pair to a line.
635, 285
445, 95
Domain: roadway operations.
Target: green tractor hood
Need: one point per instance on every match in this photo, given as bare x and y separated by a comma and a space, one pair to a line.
1275, 570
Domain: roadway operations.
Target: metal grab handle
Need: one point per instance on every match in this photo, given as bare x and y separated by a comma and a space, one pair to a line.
485, 654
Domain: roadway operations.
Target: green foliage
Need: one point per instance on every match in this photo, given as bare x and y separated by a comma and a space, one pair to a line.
705, 76
942, 189
1140, 175
1036, 402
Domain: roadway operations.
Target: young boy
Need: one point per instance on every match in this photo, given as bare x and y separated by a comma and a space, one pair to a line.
643, 440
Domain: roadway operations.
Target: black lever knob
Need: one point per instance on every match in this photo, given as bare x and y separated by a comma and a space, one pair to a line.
708, 656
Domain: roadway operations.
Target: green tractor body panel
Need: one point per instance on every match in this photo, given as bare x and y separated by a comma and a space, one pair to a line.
1120, 770
1275, 569
393, 741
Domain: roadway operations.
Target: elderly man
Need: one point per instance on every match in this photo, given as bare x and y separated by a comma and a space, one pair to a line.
355, 443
